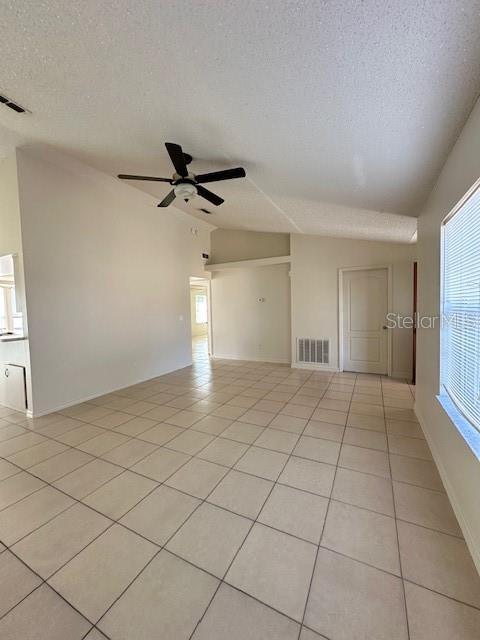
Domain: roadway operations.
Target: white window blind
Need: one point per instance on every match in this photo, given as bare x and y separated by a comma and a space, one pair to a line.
460, 335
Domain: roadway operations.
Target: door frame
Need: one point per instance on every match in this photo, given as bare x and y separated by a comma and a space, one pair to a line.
414, 331
341, 272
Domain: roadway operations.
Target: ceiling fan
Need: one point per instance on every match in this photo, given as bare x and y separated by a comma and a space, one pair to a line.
187, 185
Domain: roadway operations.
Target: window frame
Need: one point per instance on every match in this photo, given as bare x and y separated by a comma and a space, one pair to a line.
6, 292
204, 296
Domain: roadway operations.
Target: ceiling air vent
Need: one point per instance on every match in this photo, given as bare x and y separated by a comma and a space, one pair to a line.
11, 105
312, 350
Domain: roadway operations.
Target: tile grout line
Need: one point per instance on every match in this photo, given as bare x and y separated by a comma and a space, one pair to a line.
118, 521
104, 460
231, 468
222, 580
98, 457
125, 468
113, 522
398, 547
163, 546
324, 525
157, 447
47, 483
216, 577
195, 455
191, 427
43, 582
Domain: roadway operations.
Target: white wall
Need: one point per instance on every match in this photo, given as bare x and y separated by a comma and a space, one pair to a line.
10, 226
228, 245
245, 328
459, 467
10, 231
314, 279
107, 280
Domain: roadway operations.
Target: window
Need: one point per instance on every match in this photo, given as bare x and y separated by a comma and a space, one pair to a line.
201, 308
7, 309
17, 318
11, 320
460, 332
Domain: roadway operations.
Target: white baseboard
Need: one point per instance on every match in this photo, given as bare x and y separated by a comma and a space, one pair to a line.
246, 358
405, 375
462, 521
72, 403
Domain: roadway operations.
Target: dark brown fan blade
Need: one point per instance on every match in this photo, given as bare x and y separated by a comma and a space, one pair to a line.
216, 176
125, 176
167, 200
208, 195
176, 156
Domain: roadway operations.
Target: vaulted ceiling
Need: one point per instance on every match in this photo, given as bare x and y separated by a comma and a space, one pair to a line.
342, 112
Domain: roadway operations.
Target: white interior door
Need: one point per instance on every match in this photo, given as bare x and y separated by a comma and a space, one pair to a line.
365, 307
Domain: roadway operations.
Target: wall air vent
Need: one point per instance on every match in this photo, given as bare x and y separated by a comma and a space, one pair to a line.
11, 105
314, 351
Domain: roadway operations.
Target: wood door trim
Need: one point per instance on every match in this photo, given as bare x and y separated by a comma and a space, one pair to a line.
414, 336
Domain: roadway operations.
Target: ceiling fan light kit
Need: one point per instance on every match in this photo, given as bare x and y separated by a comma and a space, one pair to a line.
187, 185
185, 190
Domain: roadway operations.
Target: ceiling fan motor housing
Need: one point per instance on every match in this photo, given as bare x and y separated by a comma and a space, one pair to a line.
185, 189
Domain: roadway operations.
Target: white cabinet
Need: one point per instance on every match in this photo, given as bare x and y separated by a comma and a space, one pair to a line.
12, 387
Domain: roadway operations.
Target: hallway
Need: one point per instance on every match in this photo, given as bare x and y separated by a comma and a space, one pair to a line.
231, 499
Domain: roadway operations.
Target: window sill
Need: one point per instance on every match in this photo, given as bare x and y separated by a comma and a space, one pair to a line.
468, 432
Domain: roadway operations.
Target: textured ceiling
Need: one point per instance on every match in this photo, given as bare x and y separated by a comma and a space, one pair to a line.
341, 111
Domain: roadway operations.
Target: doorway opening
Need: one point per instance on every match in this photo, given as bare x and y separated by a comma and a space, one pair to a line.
200, 318
365, 342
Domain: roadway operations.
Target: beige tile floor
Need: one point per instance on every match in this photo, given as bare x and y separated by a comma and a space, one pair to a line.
231, 499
